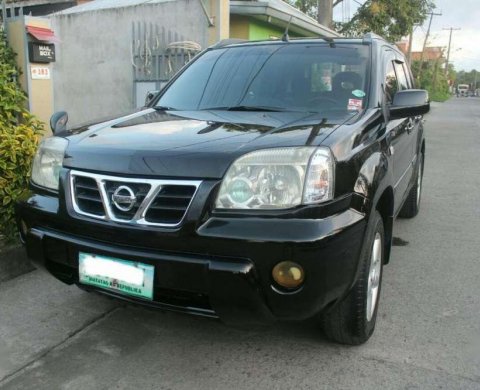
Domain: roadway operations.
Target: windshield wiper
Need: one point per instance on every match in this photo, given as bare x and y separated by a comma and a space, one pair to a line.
164, 108
246, 108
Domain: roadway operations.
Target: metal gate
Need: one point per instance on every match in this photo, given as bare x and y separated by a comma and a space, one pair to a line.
157, 54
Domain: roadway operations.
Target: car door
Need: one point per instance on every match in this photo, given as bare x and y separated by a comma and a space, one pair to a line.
405, 80
398, 139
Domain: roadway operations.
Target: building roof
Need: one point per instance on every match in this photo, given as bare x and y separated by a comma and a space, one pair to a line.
279, 12
98, 5
34, 2
431, 54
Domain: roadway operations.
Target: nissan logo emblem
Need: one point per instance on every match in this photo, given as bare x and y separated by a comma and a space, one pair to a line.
124, 199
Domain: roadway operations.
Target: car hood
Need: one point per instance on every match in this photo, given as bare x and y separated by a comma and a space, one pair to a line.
197, 144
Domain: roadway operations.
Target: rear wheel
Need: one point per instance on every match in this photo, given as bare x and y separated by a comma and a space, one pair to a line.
352, 320
412, 204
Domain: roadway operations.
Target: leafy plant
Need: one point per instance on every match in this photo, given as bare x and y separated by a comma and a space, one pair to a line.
471, 78
392, 19
20, 133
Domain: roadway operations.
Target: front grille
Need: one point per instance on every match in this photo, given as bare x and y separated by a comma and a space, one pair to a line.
170, 204
133, 201
87, 195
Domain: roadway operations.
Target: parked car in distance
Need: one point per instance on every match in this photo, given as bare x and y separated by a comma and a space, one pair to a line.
260, 184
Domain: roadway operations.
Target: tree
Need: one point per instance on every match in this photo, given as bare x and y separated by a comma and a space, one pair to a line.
314, 9
469, 78
392, 19
308, 7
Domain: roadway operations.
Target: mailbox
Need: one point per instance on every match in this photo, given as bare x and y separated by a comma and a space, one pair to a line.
39, 52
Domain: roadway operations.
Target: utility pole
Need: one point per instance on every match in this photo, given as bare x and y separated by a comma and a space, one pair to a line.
435, 71
432, 14
410, 43
4, 15
449, 46
325, 11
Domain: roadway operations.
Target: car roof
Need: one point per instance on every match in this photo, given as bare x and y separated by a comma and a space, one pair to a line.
366, 39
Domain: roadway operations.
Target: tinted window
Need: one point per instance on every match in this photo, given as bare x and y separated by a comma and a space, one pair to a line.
290, 77
401, 76
408, 72
391, 83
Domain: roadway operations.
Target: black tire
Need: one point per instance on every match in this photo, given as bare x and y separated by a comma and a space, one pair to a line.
411, 207
347, 322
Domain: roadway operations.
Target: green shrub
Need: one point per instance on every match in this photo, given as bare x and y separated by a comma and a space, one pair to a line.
20, 133
433, 79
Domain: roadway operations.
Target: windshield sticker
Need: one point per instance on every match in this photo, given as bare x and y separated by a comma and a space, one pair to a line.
355, 104
358, 93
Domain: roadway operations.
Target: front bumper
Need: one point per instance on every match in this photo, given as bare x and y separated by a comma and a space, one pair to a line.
218, 268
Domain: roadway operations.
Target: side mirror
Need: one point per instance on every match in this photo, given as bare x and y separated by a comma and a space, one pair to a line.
411, 102
149, 97
58, 122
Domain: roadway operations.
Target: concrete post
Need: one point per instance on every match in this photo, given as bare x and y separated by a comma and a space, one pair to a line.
325, 12
36, 79
220, 15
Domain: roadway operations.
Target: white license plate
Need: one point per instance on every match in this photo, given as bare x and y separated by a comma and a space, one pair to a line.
127, 277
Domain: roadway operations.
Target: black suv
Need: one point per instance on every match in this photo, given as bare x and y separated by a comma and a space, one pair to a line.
260, 184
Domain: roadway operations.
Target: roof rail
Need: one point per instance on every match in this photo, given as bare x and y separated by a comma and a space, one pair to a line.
370, 36
228, 41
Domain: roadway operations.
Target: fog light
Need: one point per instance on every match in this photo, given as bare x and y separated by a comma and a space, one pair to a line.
288, 274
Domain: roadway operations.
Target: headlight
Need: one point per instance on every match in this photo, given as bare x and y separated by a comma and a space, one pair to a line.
277, 179
48, 161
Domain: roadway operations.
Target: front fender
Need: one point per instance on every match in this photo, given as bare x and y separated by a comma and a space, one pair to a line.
374, 184
373, 178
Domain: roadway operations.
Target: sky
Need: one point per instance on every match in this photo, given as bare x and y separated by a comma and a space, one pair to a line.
464, 14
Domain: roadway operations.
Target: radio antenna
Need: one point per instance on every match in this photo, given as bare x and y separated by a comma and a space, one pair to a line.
285, 37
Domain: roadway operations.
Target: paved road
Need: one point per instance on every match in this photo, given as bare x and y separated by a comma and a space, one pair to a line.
428, 331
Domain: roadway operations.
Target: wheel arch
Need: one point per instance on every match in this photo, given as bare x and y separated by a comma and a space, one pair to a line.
385, 206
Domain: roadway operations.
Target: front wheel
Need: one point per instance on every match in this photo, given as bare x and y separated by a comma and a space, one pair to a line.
352, 320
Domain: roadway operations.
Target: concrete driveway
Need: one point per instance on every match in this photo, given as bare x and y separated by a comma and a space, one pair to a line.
428, 331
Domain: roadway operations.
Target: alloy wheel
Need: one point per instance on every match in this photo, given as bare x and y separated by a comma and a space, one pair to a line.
374, 276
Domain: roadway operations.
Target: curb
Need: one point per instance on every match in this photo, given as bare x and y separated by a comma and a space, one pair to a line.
13, 262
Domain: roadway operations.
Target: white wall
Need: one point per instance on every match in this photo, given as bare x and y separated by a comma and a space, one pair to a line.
93, 72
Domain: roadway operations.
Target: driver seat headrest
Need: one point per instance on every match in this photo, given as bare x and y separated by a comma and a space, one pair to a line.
346, 81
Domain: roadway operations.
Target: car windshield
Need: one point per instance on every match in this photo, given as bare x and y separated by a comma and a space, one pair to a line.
306, 77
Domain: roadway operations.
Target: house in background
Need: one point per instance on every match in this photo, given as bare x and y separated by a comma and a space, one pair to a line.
255, 20
432, 53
